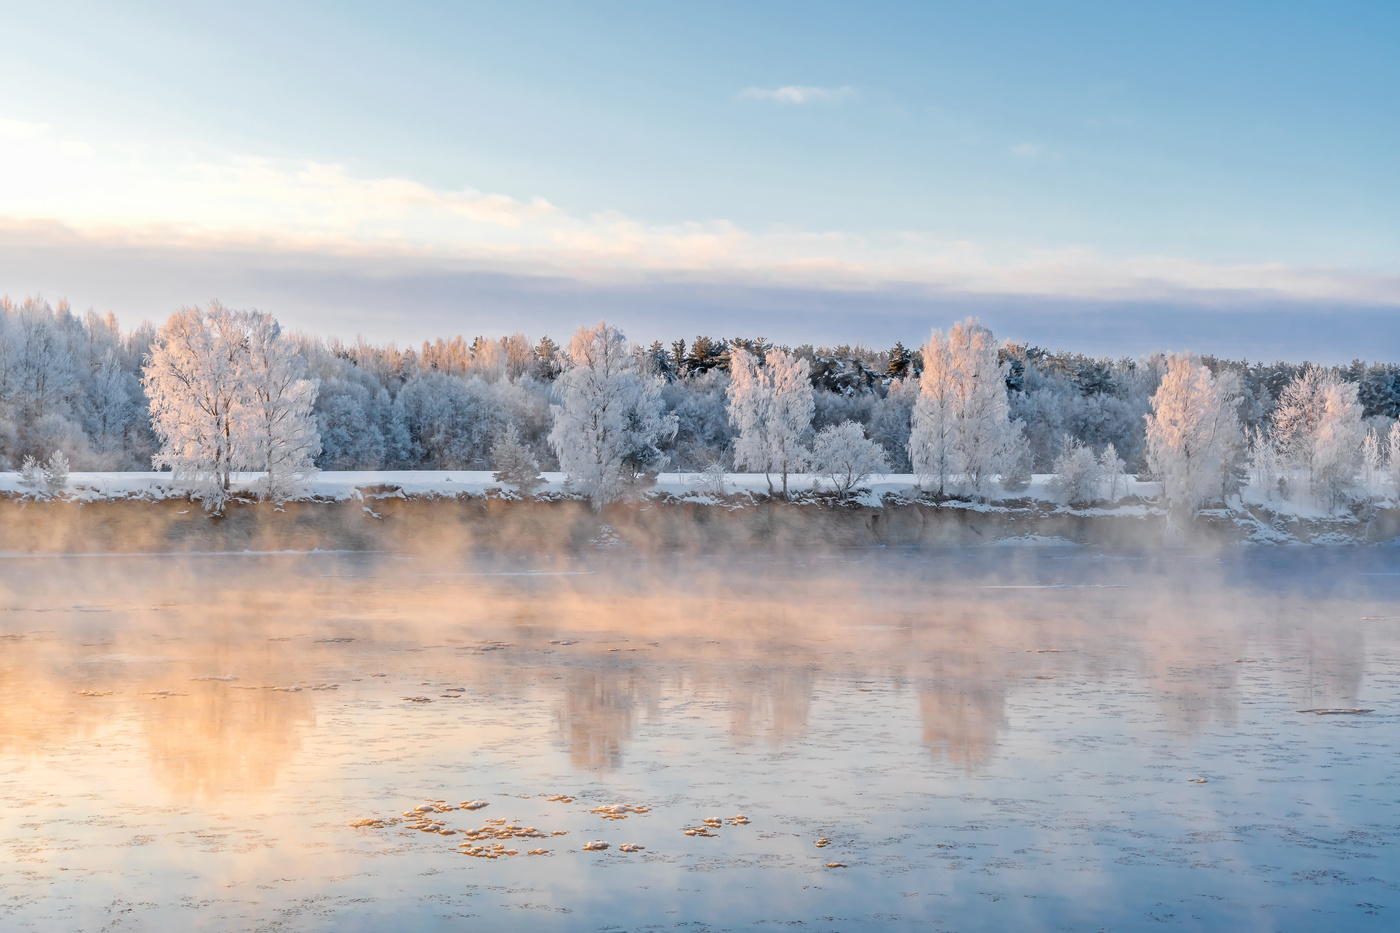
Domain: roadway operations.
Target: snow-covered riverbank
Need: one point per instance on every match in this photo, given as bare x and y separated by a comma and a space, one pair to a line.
469, 511
90, 487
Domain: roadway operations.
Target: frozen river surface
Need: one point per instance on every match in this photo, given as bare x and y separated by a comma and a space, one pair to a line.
1014, 739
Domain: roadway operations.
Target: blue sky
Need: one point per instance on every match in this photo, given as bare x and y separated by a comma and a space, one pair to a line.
1121, 158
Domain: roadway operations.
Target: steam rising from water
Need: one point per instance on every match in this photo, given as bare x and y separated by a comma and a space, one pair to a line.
275, 697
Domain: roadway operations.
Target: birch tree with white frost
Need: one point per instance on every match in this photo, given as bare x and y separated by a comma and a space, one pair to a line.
1392, 443
1266, 467
1111, 471
961, 426
277, 424
609, 417
1371, 459
1338, 442
228, 392
1193, 432
193, 384
933, 432
1317, 425
845, 456
771, 407
1297, 417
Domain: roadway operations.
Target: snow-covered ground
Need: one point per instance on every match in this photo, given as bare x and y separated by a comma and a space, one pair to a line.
347, 485
695, 487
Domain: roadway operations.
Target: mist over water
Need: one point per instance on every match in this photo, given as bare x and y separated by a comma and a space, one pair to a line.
1045, 738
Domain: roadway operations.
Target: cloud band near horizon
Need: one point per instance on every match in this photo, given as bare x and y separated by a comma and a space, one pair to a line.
65, 201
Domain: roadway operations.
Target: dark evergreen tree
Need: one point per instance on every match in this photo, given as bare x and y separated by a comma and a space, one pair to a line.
898, 366
547, 362
705, 355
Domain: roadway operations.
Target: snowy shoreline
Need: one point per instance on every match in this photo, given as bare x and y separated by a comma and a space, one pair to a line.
344, 485
368, 509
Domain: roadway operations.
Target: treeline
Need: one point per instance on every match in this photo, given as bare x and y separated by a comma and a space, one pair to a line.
73, 383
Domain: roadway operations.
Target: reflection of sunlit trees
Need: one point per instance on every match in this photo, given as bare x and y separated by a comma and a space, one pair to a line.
222, 740
38, 709
961, 722
599, 707
772, 703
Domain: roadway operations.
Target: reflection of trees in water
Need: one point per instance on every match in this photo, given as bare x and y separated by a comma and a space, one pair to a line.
39, 705
962, 679
1335, 663
1194, 650
770, 703
220, 739
958, 658
752, 655
598, 709
600, 704
213, 739
961, 721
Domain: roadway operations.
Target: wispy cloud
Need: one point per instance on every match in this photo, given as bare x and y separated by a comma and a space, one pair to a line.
149, 197
1033, 152
800, 94
18, 129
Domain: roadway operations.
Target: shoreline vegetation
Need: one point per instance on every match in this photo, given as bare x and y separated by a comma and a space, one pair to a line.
464, 512
232, 406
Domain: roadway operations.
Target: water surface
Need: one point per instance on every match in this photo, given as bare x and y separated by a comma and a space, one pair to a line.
989, 739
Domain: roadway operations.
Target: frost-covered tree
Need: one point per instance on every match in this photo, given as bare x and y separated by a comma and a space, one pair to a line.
1337, 444
703, 431
53, 378
195, 383
110, 409
514, 463
933, 449
607, 417
649, 426
520, 356
72, 382
1193, 432
1392, 443
278, 434
1099, 401
228, 392
359, 424
961, 423
1266, 467
1372, 458
350, 438
1298, 415
1317, 426
846, 457
31, 474
1077, 473
1111, 470
452, 421
770, 406
56, 473
890, 419
1018, 470
712, 478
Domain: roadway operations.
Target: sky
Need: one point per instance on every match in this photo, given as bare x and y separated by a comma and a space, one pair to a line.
1112, 177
